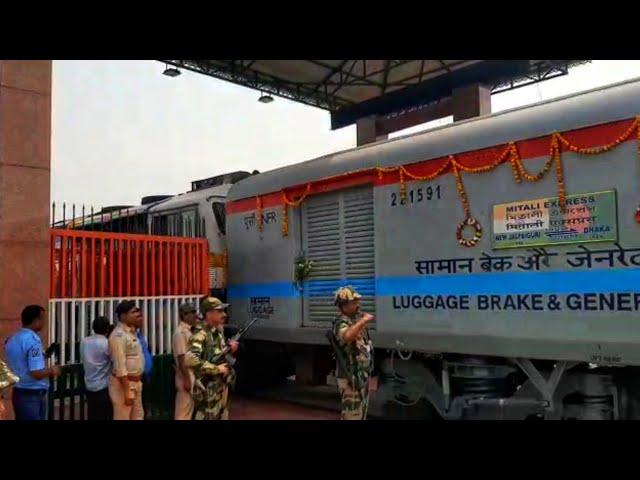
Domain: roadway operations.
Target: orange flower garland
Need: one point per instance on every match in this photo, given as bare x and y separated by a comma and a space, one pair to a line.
285, 220
468, 219
403, 188
510, 154
291, 203
556, 155
520, 173
603, 148
426, 177
259, 213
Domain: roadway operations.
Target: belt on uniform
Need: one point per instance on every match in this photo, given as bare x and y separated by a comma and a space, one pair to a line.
132, 378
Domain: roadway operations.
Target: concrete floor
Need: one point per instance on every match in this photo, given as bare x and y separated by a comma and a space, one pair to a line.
246, 408
283, 403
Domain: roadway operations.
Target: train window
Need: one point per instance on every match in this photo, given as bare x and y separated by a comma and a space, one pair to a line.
186, 223
159, 225
189, 223
220, 214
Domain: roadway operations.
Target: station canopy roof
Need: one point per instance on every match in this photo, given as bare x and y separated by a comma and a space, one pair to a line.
352, 89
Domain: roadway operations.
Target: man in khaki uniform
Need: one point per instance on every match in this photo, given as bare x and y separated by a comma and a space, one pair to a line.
184, 375
125, 383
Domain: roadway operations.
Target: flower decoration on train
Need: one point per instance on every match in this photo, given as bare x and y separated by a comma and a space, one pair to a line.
259, 214
302, 268
558, 143
477, 232
291, 203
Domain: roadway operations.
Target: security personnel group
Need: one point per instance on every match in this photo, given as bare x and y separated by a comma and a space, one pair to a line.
117, 362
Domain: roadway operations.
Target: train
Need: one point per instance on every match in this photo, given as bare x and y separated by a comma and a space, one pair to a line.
500, 256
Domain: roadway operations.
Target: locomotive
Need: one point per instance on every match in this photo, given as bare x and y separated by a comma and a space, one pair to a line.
500, 255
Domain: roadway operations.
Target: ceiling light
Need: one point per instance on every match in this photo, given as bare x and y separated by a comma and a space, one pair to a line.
171, 72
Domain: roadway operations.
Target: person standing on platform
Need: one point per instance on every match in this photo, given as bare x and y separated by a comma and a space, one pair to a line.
354, 352
125, 383
148, 358
212, 375
26, 359
184, 376
94, 352
148, 366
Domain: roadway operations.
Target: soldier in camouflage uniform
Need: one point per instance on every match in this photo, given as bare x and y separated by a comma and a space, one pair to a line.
352, 336
212, 381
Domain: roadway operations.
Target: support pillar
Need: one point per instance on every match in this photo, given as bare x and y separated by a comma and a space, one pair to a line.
367, 131
25, 167
471, 101
464, 103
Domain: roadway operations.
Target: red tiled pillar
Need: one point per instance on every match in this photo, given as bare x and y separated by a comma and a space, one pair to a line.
25, 167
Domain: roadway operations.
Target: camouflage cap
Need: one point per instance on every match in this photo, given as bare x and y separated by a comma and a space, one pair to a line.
212, 303
346, 294
187, 307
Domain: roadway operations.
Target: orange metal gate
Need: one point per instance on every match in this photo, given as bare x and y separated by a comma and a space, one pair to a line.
88, 264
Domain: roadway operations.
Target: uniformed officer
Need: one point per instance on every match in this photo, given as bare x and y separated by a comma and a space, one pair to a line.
26, 358
125, 383
350, 329
212, 380
184, 376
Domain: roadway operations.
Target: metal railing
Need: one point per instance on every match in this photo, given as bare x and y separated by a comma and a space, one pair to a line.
70, 321
68, 400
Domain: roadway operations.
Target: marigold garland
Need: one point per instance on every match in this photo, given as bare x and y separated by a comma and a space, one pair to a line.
285, 220
291, 203
295, 203
638, 135
519, 171
603, 148
477, 232
259, 213
426, 177
403, 188
510, 154
562, 192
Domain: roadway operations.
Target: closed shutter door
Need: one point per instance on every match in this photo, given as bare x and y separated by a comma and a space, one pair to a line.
338, 236
358, 239
322, 235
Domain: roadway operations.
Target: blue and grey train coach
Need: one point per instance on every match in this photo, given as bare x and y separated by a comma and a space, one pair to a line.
500, 256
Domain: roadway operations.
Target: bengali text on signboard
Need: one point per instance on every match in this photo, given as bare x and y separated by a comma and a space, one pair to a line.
588, 217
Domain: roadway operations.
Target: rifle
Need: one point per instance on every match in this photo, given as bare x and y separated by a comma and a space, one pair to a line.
342, 362
228, 358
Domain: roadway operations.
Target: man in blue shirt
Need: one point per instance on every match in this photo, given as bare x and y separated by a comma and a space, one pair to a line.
148, 358
26, 358
94, 351
148, 369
